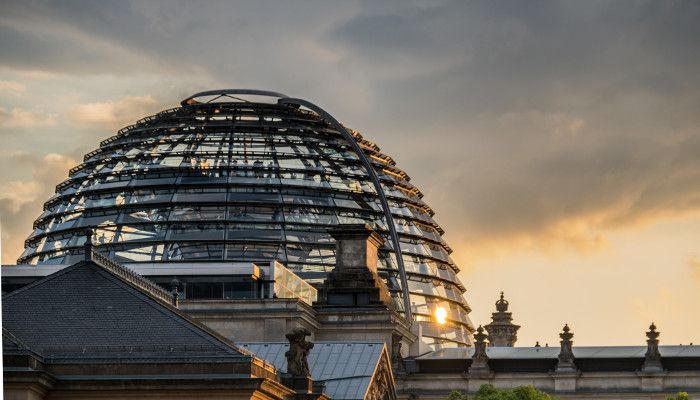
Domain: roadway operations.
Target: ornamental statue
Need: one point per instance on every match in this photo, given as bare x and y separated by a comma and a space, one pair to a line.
299, 348
565, 360
480, 360
652, 358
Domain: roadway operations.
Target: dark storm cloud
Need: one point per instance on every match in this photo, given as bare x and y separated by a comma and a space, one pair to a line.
531, 54
247, 41
543, 119
540, 119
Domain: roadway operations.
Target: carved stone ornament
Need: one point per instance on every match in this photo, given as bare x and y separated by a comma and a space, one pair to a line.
298, 352
382, 387
396, 359
480, 361
565, 360
652, 358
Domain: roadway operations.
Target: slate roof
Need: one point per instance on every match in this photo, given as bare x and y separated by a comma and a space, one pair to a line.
553, 352
86, 310
346, 368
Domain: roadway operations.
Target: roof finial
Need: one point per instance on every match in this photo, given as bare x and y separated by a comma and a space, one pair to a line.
480, 360
565, 360
652, 358
174, 284
87, 247
502, 304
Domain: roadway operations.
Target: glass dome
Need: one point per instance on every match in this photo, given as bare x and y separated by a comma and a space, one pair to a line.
240, 178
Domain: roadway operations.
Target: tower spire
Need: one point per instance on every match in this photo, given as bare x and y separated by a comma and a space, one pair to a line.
502, 331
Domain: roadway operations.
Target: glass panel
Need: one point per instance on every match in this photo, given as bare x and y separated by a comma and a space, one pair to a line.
196, 232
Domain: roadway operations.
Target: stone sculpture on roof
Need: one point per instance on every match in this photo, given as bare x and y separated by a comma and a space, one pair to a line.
652, 357
566, 360
298, 352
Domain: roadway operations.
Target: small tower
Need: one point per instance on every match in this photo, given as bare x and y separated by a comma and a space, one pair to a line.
502, 331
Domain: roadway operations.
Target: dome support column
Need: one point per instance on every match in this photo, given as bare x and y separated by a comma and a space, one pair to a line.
377, 186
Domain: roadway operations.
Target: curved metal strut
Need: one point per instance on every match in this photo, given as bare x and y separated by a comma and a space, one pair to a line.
377, 186
226, 92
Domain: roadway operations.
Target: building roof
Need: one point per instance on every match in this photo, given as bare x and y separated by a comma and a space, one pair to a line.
90, 311
544, 359
346, 368
553, 352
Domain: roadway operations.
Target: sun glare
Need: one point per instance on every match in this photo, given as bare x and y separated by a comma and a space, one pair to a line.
440, 315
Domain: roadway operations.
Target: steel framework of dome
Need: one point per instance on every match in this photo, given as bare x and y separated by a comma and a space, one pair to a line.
233, 176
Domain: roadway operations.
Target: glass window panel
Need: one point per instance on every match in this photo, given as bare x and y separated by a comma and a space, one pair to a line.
145, 196
194, 251
141, 254
198, 213
196, 232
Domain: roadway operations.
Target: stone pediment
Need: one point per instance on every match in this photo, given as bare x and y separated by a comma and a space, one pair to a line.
382, 385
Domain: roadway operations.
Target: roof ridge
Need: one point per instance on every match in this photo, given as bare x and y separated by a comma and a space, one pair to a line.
124, 273
21, 346
131, 277
14, 339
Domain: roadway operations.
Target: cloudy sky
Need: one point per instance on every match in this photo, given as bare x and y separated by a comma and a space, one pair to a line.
558, 142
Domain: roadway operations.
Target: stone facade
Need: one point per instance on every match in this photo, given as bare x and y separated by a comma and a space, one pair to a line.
261, 320
434, 375
624, 372
355, 306
586, 385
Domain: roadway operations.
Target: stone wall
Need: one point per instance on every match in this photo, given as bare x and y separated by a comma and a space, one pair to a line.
584, 385
257, 320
